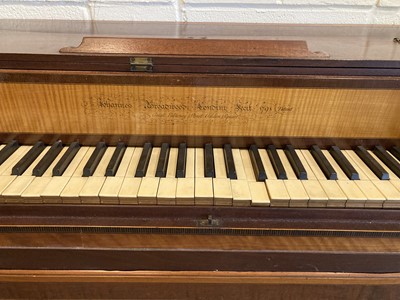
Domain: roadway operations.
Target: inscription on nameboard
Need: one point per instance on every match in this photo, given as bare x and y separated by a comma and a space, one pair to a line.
170, 110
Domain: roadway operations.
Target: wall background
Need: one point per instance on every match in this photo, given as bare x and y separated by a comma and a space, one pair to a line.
251, 11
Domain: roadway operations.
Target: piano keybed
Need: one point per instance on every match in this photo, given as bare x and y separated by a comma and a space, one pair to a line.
220, 176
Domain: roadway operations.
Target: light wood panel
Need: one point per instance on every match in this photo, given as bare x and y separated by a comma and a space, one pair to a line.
198, 111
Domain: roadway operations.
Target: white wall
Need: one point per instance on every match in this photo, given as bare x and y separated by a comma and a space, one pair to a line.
251, 11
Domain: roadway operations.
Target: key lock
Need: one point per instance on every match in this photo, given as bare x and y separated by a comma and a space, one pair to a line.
209, 222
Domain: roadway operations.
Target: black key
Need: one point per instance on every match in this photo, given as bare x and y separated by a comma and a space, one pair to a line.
372, 163
257, 164
47, 159
94, 159
144, 160
209, 170
387, 159
343, 162
276, 162
181, 163
323, 163
8, 150
395, 151
229, 162
295, 162
66, 159
28, 159
162, 164
115, 159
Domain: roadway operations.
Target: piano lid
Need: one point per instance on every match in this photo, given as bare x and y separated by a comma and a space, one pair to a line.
200, 48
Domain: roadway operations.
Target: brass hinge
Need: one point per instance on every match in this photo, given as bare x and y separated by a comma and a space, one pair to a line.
141, 64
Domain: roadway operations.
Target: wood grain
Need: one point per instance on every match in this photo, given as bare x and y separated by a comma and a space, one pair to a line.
199, 111
22, 284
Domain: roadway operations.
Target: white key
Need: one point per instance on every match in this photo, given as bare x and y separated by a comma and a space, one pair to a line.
128, 193
172, 162
258, 192
89, 193
336, 197
185, 191
70, 193
278, 194
219, 163
355, 197
166, 193
203, 187
276, 189
222, 191
6, 168
241, 192
295, 188
237, 158
221, 184
130, 186
34, 191
259, 195
241, 195
317, 195
388, 190
125, 162
52, 192
13, 192
286, 165
203, 191
375, 198
152, 167
199, 163
297, 193
112, 184
269, 169
248, 167
190, 163
147, 194
185, 186
110, 190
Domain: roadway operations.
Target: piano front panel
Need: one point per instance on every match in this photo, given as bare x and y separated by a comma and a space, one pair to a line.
228, 111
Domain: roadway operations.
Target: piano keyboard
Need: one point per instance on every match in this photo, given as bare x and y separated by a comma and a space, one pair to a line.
224, 176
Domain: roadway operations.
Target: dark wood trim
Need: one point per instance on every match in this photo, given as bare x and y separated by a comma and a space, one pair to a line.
194, 217
188, 79
39, 284
43, 60
197, 141
205, 69
195, 260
